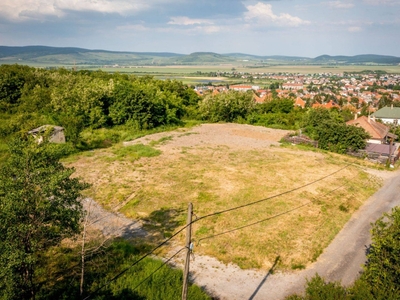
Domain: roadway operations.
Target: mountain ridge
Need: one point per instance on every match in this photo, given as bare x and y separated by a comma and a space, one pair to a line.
74, 55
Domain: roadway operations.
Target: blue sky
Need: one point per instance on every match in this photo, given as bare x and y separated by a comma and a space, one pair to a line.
281, 27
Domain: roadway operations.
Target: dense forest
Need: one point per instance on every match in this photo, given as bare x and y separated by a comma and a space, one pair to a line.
97, 110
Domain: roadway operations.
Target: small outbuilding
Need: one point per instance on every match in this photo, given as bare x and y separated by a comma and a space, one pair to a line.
56, 133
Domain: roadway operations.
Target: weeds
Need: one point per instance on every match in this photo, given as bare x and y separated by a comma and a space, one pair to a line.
217, 178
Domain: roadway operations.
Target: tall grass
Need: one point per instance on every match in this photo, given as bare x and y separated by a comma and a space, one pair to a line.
149, 279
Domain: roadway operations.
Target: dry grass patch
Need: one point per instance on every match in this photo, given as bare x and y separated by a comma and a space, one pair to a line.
215, 178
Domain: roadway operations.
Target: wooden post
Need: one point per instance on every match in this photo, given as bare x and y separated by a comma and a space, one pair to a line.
390, 151
187, 260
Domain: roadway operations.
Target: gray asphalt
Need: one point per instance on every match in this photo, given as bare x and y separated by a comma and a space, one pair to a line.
343, 259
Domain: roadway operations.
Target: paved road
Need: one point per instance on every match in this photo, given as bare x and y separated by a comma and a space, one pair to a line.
341, 261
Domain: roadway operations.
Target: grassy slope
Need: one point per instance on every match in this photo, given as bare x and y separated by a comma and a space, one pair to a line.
158, 189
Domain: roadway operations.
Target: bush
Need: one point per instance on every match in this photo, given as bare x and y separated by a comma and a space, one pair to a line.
332, 133
382, 271
227, 107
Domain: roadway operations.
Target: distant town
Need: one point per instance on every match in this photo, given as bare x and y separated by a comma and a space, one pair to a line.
354, 91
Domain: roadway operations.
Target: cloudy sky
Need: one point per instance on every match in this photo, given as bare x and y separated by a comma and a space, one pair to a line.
261, 27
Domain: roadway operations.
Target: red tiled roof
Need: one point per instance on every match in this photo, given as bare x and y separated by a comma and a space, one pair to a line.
377, 130
259, 99
300, 102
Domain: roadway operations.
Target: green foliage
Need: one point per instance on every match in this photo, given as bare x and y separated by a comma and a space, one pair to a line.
340, 138
84, 100
141, 281
12, 80
276, 106
396, 130
226, 107
332, 133
318, 289
39, 207
382, 271
278, 119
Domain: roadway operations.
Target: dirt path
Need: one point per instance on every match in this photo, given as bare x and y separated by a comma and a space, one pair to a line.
341, 260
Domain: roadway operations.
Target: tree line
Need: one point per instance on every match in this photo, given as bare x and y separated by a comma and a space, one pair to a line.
91, 100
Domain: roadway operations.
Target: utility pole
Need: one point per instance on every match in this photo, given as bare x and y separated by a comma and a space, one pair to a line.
188, 242
390, 153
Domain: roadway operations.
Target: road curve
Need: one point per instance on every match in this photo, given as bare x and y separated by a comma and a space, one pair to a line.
341, 261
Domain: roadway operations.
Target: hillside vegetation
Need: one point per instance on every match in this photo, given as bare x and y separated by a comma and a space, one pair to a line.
307, 196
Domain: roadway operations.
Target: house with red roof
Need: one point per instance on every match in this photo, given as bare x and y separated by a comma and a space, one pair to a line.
300, 102
379, 132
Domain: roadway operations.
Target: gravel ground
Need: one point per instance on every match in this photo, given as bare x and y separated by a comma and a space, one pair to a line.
235, 136
342, 260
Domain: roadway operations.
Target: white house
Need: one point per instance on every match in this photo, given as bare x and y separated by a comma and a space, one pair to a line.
389, 115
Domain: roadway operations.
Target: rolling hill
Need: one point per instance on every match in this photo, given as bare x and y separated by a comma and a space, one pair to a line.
68, 56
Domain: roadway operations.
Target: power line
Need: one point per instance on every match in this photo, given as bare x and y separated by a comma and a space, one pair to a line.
271, 197
136, 262
266, 219
255, 223
206, 216
167, 261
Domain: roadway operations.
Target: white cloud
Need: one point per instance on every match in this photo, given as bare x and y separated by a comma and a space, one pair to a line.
340, 4
262, 13
354, 29
136, 27
194, 31
104, 6
208, 29
188, 21
382, 2
21, 10
28, 9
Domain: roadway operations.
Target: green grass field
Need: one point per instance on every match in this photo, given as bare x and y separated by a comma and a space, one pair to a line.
304, 69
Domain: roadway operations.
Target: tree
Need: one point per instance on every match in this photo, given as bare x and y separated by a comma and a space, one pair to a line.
142, 106
332, 133
382, 270
12, 80
227, 107
277, 105
39, 206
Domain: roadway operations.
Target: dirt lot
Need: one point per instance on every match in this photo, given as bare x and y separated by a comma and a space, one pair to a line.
216, 166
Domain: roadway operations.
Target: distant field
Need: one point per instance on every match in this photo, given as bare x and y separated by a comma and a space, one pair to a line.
238, 66
200, 74
191, 75
270, 69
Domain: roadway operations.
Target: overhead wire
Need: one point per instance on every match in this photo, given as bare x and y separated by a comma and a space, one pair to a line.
164, 263
137, 261
206, 216
271, 197
263, 220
